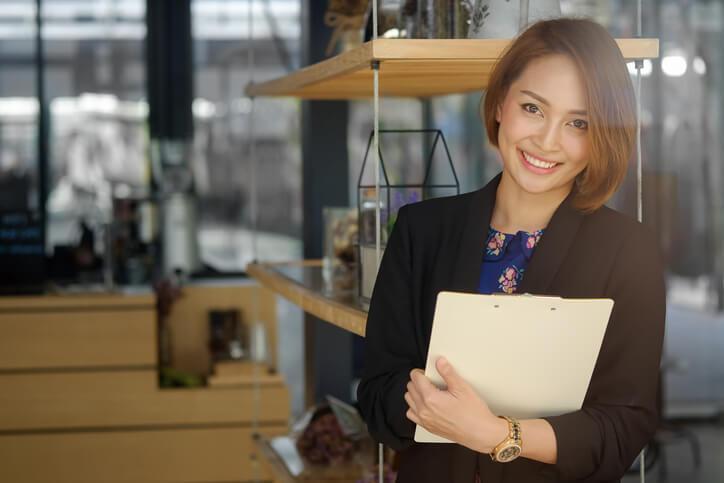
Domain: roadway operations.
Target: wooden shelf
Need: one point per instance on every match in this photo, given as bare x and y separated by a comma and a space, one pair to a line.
301, 283
409, 68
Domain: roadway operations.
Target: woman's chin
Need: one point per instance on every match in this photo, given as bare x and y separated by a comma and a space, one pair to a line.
535, 185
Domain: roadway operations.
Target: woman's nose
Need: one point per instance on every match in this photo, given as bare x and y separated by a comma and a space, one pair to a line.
548, 137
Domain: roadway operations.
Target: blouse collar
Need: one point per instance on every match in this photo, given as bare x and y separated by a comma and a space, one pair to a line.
498, 242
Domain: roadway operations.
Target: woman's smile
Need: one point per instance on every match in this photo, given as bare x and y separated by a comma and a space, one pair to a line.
536, 164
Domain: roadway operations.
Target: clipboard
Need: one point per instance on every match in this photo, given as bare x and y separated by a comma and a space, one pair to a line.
528, 356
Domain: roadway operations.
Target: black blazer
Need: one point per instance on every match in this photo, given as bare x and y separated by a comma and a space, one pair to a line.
438, 245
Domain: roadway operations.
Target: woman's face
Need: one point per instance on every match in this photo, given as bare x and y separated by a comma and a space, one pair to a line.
542, 121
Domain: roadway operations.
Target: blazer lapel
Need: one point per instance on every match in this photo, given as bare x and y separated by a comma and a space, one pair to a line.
552, 248
470, 251
547, 257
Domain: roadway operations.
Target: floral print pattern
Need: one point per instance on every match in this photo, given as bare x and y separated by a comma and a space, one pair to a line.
505, 257
533, 240
496, 243
508, 280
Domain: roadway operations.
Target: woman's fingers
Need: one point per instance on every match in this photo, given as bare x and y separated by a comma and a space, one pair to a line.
412, 416
415, 393
410, 401
422, 383
413, 410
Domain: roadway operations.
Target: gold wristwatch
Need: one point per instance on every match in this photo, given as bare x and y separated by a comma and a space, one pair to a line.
512, 446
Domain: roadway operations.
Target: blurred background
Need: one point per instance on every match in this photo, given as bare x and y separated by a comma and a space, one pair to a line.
126, 140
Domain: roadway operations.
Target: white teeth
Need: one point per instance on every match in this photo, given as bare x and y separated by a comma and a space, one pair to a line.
537, 162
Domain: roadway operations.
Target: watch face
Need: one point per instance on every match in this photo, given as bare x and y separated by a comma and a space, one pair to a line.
509, 454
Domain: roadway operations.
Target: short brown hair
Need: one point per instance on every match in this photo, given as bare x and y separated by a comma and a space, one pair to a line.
610, 98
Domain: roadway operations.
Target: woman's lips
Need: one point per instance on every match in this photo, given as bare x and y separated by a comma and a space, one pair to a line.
533, 168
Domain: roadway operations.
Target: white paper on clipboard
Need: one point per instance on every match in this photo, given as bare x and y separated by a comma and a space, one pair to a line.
528, 356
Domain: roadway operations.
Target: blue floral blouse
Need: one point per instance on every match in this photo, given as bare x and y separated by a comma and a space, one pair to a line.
505, 259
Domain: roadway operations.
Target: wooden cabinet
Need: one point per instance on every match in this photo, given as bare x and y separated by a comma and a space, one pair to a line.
79, 399
119, 337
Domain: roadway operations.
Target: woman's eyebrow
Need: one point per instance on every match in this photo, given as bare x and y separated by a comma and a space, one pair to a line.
581, 112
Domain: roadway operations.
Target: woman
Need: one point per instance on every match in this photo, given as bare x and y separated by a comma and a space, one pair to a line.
560, 110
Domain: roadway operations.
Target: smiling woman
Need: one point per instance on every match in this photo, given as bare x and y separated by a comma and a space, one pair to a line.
560, 110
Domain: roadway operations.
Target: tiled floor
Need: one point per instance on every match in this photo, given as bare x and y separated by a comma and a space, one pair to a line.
679, 460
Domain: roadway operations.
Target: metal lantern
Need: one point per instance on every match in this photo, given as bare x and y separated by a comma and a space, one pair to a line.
418, 157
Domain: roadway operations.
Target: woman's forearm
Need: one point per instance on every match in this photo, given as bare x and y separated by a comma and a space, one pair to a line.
539, 441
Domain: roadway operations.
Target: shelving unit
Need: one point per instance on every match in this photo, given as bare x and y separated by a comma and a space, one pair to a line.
409, 68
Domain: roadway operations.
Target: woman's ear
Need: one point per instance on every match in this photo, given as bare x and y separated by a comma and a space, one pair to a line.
497, 113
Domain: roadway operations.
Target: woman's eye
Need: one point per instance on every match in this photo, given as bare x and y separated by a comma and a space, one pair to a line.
531, 108
580, 124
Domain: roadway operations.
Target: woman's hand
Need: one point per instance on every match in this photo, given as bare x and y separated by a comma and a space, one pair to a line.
456, 413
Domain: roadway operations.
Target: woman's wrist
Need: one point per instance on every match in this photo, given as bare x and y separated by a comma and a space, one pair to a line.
495, 432
539, 440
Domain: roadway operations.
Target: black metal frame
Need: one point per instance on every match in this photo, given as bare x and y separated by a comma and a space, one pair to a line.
386, 185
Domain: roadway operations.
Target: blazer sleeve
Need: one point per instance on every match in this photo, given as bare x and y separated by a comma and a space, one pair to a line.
620, 413
390, 348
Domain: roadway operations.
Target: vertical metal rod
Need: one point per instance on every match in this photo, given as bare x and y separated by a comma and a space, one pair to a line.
639, 166
253, 205
42, 120
253, 192
380, 464
378, 220
639, 183
378, 229
639, 163
253, 208
639, 176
